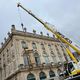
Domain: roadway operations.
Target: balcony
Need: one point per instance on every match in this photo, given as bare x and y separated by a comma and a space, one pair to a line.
34, 66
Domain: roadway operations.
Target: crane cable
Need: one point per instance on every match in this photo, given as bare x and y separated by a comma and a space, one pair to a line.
19, 14
20, 18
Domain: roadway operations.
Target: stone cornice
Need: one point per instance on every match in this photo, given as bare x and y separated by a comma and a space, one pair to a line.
26, 34
32, 35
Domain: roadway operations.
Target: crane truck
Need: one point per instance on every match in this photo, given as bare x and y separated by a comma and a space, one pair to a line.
72, 67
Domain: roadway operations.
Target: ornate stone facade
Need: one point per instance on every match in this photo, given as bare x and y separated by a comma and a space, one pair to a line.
29, 56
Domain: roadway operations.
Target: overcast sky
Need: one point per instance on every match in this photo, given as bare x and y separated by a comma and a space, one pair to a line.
64, 14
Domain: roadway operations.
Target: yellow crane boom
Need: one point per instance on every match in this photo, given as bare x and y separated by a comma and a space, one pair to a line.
54, 31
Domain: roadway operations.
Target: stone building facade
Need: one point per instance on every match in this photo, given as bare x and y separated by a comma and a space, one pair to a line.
30, 56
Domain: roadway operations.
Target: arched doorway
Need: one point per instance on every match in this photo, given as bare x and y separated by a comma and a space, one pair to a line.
51, 74
31, 77
42, 76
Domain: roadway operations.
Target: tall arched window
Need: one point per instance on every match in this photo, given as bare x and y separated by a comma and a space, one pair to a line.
37, 58
46, 57
31, 77
42, 76
51, 74
53, 57
26, 60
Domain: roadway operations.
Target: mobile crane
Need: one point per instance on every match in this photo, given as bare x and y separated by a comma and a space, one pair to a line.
74, 64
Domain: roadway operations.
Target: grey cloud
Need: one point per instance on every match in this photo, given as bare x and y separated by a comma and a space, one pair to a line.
63, 13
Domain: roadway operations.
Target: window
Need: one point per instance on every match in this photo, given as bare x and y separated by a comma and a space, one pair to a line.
8, 58
49, 46
59, 71
58, 52
52, 53
42, 76
3, 57
31, 77
15, 65
37, 58
8, 55
45, 54
51, 74
26, 61
56, 48
24, 45
34, 46
53, 57
46, 57
42, 45
12, 54
4, 67
59, 55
